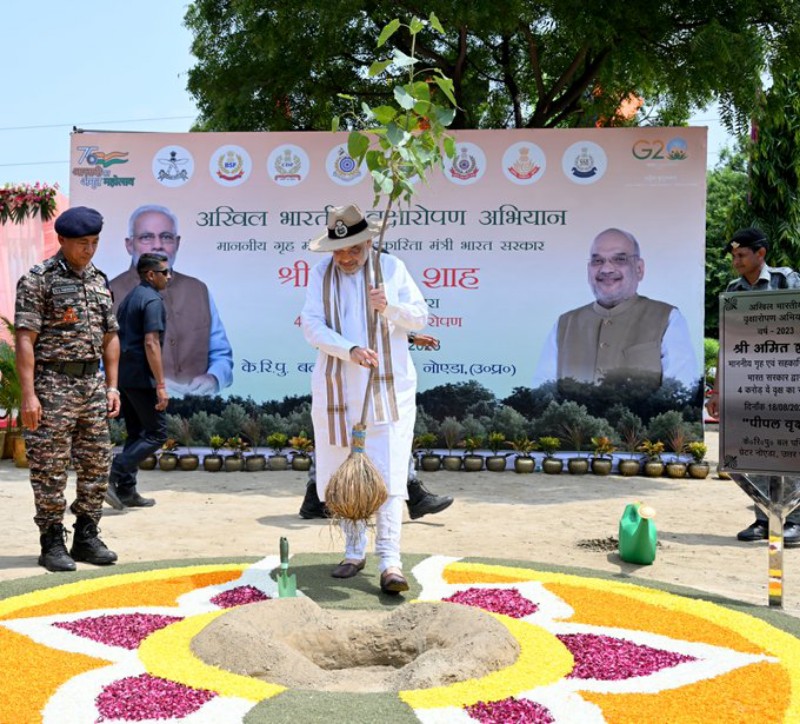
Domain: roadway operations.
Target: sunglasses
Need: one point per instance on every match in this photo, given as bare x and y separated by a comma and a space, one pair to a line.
165, 272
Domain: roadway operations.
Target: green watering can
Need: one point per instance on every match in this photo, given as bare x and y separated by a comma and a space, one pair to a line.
637, 534
287, 585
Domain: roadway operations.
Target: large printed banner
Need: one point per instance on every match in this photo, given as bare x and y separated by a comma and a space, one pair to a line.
498, 242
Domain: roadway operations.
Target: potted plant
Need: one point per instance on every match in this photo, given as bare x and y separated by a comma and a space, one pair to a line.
168, 459
451, 430
12, 444
676, 467
302, 446
428, 460
653, 464
577, 465
524, 462
187, 461
277, 442
698, 468
496, 462
234, 463
630, 430
472, 461
602, 460
213, 462
549, 446
252, 427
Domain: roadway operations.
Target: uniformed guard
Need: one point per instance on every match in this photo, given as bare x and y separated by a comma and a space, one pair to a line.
64, 326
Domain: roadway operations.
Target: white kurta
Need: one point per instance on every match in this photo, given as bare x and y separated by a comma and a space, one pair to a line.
389, 443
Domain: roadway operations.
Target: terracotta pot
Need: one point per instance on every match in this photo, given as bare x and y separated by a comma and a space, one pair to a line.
452, 462
233, 464
20, 454
430, 463
602, 466
473, 463
255, 463
148, 463
278, 462
676, 470
578, 466
7, 447
301, 463
496, 463
552, 466
699, 471
629, 467
167, 461
524, 464
212, 463
653, 468
189, 462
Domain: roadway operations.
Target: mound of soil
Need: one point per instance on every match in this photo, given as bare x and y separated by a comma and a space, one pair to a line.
296, 643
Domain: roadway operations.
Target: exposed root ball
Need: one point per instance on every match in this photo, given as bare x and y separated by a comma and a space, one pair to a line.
356, 490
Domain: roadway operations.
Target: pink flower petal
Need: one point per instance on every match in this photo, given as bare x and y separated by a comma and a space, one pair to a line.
239, 596
507, 601
126, 630
610, 659
510, 711
137, 698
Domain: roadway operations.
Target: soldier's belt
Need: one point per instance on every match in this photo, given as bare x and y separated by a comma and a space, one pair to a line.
71, 369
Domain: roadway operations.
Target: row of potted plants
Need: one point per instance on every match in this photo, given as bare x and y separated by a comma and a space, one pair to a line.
240, 455
649, 461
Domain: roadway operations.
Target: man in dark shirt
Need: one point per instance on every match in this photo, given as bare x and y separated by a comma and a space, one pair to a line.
142, 321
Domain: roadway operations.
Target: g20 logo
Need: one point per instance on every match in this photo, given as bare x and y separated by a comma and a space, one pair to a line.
676, 149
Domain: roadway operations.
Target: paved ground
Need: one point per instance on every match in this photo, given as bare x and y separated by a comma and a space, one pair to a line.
560, 520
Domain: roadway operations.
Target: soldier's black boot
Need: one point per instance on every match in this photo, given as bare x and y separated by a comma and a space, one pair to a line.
87, 546
423, 502
54, 550
312, 506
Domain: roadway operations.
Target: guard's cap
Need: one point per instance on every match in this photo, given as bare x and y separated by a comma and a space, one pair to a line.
749, 238
79, 221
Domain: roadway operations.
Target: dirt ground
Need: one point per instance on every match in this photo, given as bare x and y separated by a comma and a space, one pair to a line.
560, 520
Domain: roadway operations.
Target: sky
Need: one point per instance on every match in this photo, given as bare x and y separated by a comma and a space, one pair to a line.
108, 65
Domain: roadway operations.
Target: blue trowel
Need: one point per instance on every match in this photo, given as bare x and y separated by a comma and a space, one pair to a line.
287, 585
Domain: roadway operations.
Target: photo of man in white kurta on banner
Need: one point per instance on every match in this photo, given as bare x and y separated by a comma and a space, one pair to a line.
340, 298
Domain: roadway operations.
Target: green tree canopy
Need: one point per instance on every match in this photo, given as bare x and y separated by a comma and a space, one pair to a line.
276, 65
771, 200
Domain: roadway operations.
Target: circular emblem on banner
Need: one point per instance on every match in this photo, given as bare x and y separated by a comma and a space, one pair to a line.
342, 168
468, 165
524, 163
173, 166
288, 165
230, 166
584, 162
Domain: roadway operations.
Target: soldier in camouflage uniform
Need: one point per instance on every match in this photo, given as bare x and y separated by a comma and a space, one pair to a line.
64, 326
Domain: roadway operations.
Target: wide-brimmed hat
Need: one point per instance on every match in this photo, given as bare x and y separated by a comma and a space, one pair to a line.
346, 227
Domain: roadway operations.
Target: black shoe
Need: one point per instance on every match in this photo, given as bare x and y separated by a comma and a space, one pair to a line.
755, 531
54, 551
87, 546
112, 498
791, 534
131, 499
423, 502
312, 506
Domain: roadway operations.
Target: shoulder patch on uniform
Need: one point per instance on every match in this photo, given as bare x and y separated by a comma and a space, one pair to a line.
39, 269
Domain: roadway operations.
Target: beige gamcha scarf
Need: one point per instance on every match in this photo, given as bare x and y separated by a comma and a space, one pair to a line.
381, 386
